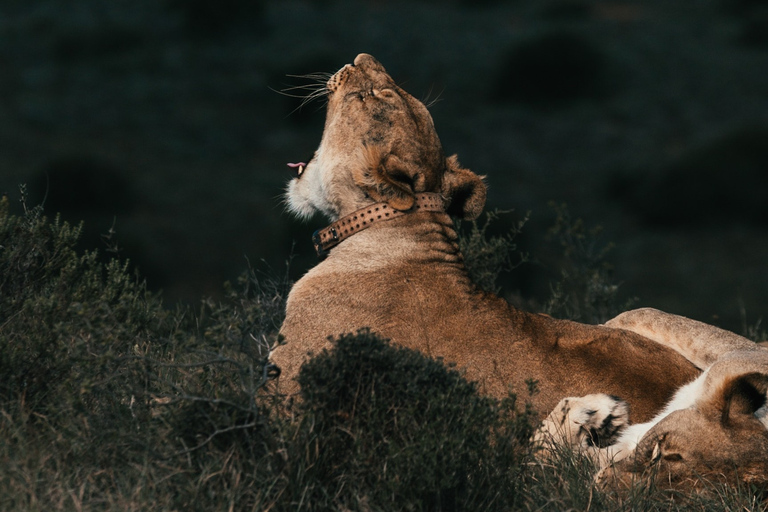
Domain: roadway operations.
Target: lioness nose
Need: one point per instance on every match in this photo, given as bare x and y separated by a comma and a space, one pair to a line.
367, 61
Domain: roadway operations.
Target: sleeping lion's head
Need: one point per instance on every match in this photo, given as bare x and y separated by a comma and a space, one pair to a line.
379, 145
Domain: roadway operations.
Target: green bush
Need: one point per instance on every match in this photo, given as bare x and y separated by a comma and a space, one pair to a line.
98, 374
390, 429
64, 317
585, 291
487, 256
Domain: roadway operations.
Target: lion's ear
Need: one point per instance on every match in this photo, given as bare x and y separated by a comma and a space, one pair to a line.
464, 190
735, 396
388, 178
735, 385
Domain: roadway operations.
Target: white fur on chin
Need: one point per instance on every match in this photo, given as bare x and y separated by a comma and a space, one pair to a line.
306, 196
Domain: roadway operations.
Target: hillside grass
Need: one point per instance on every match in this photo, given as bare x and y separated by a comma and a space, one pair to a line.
110, 400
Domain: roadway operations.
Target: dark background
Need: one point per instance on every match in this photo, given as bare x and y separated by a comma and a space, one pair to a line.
160, 117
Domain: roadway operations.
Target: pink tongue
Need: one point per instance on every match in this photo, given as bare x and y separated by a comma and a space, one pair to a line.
300, 164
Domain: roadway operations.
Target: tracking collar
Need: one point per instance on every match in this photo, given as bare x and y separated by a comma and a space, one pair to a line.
327, 238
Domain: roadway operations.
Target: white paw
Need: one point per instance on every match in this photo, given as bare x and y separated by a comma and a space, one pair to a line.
583, 422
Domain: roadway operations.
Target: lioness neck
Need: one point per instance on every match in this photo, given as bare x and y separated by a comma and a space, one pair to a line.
379, 277
419, 238
405, 279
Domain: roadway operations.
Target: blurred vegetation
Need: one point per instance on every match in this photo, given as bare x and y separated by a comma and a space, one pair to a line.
693, 191
112, 401
202, 20
553, 70
486, 255
586, 290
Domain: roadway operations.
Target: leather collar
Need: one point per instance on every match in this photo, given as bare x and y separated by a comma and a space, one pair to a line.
327, 238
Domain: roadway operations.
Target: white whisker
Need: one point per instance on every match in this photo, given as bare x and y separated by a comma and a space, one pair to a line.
430, 102
324, 77
283, 93
310, 87
307, 92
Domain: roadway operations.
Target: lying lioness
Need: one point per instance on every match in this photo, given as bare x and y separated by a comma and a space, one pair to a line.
392, 264
715, 428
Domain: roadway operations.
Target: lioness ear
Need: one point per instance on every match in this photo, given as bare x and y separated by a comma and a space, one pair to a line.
735, 396
464, 190
388, 178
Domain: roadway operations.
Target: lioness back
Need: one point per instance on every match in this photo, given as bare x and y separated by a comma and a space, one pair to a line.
429, 304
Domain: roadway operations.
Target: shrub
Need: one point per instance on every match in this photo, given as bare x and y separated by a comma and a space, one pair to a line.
109, 398
487, 256
386, 428
586, 291
63, 315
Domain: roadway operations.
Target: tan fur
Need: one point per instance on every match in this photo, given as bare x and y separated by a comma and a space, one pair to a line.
405, 278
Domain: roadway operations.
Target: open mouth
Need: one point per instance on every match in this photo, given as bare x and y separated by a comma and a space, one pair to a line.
298, 168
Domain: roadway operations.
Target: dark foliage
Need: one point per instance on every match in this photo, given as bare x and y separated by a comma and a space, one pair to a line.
553, 69
204, 19
391, 427
487, 256
63, 316
585, 290
723, 181
109, 401
97, 374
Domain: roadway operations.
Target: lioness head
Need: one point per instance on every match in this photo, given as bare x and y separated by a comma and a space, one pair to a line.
379, 145
723, 438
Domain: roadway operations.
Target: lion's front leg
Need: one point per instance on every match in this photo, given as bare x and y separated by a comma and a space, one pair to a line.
588, 424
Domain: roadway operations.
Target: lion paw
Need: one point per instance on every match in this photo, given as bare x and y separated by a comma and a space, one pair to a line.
583, 422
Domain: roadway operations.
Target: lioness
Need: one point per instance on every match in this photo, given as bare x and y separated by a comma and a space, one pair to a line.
392, 264
715, 428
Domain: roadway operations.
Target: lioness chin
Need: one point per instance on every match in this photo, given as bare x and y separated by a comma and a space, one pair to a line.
392, 264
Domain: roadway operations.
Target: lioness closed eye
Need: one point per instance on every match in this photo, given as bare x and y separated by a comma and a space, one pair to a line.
392, 263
